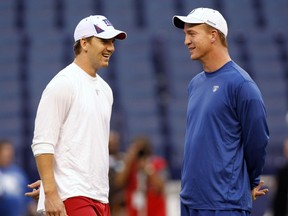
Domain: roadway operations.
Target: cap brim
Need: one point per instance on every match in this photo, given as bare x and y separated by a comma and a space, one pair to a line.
120, 35
179, 21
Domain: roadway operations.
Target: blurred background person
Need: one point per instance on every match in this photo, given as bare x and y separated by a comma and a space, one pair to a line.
13, 183
116, 164
144, 176
280, 203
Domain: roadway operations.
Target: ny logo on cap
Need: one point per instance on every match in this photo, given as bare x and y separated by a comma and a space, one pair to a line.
98, 29
107, 22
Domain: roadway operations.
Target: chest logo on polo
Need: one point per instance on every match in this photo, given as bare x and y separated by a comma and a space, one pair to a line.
215, 88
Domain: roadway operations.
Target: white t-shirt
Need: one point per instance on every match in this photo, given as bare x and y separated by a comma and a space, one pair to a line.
73, 123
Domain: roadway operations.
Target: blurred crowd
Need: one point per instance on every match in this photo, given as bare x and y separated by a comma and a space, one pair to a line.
137, 179
13, 184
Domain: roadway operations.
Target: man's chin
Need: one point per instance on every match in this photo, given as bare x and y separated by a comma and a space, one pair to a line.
106, 64
193, 57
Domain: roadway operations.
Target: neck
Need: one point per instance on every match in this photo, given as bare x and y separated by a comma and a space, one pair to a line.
215, 60
85, 66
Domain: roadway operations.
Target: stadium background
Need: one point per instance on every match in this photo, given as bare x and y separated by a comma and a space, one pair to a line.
149, 71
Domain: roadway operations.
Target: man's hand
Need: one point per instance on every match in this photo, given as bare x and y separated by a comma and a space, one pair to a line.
257, 191
35, 190
54, 206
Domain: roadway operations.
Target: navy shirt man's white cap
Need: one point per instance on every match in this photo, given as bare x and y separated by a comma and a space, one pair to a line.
203, 15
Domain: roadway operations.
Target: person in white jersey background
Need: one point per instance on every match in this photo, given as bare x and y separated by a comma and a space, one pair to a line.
72, 125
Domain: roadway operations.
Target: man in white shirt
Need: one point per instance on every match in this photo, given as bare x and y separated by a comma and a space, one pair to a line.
72, 126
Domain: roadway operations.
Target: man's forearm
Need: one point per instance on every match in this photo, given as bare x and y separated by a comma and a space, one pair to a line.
45, 165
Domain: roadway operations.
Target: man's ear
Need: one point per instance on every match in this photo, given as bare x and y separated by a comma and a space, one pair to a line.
83, 43
214, 35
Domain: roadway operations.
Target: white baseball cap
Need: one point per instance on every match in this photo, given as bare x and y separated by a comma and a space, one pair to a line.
203, 15
98, 26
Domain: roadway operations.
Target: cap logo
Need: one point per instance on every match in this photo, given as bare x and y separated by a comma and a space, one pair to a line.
107, 22
212, 23
98, 29
192, 11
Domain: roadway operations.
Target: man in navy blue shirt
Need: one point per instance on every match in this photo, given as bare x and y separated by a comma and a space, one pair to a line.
227, 133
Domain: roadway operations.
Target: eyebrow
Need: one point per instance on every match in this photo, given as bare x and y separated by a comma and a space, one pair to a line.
189, 31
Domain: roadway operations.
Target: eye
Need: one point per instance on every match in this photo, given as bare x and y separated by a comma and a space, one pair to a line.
104, 41
107, 41
191, 33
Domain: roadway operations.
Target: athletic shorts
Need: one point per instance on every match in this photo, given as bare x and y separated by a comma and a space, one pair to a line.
80, 205
186, 211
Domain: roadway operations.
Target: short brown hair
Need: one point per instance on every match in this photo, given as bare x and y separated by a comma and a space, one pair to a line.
77, 46
222, 37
